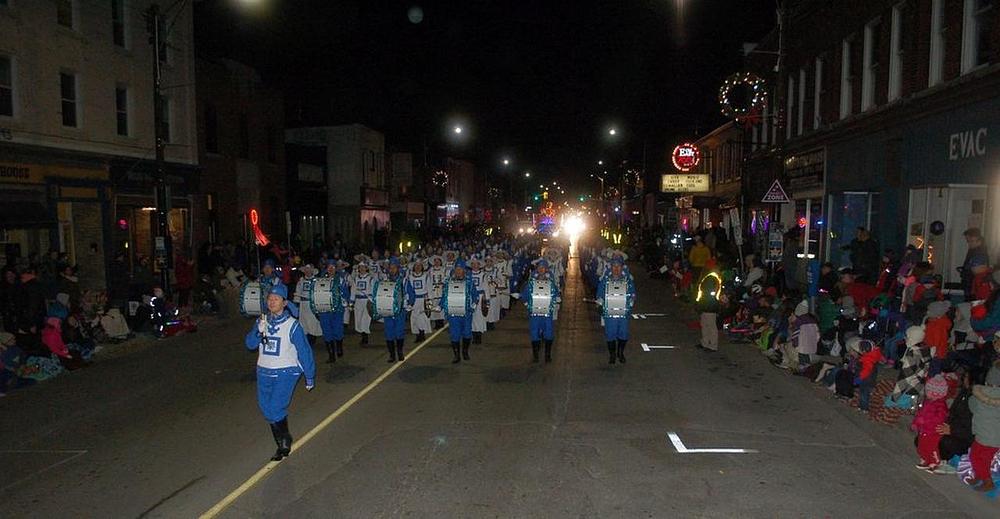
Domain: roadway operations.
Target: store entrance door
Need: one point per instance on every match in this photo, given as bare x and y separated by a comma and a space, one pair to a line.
938, 215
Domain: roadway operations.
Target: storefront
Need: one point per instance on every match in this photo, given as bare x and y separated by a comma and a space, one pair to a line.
922, 183
805, 174
52, 200
134, 208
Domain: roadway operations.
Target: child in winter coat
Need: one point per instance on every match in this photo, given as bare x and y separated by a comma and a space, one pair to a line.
870, 357
937, 333
931, 415
985, 407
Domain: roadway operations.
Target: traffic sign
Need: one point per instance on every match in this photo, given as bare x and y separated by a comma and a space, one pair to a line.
776, 194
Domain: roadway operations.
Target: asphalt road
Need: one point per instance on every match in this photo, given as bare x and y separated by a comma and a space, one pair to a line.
172, 429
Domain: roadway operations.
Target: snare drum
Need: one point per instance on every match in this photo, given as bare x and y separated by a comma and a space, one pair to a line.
253, 301
325, 295
541, 298
456, 299
387, 300
616, 298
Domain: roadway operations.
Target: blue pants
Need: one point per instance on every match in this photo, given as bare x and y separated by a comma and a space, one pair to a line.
616, 328
395, 327
540, 327
459, 327
274, 392
332, 324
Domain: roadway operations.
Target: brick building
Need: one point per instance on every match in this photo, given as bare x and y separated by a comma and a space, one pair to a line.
888, 120
242, 153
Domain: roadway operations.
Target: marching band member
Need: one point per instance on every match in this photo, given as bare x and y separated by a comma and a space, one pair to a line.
343, 268
268, 275
418, 284
361, 291
283, 355
394, 317
492, 293
437, 274
303, 289
479, 283
540, 295
332, 322
616, 322
505, 270
459, 321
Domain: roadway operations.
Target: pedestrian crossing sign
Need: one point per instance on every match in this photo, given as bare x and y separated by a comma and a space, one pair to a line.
776, 194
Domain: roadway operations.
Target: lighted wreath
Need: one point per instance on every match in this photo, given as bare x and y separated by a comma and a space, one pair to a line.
440, 178
741, 94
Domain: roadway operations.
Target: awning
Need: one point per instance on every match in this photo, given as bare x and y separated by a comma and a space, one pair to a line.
22, 214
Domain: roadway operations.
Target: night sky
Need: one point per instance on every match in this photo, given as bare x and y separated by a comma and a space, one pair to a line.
539, 81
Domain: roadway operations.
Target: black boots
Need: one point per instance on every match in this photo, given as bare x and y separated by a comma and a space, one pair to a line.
282, 438
391, 346
364, 339
548, 351
421, 337
454, 351
535, 345
612, 349
340, 348
331, 353
399, 350
465, 349
477, 337
490, 326
621, 350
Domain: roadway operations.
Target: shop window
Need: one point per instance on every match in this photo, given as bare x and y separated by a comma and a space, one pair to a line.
818, 92
849, 211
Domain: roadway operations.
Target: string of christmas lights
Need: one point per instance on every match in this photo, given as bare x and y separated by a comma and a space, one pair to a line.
757, 94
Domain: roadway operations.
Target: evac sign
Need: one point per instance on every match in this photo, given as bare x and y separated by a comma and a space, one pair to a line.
967, 144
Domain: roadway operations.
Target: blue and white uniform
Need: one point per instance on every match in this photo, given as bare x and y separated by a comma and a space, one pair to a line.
616, 326
283, 355
417, 291
479, 281
332, 322
540, 325
362, 284
395, 324
459, 326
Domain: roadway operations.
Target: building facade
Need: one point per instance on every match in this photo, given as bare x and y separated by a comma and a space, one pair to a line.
77, 130
242, 154
357, 187
886, 119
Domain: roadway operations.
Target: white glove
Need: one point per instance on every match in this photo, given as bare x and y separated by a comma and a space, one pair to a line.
262, 324
516, 296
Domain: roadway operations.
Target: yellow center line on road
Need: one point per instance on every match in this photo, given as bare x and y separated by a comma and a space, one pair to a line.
271, 465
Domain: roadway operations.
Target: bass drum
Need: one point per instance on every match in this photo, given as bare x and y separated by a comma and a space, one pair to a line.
324, 296
615, 298
252, 299
456, 299
386, 303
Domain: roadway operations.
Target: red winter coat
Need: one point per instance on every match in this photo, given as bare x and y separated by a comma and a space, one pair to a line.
936, 334
931, 414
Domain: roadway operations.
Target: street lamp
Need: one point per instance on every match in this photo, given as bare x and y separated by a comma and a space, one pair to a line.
612, 132
457, 130
527, 174
506, 162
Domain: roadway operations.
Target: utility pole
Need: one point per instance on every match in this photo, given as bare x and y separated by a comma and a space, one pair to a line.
162, 246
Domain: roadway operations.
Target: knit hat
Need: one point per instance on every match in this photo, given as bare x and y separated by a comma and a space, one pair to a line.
936, 387
938, 309
993, 376
847, 307
914, 335
802, 308
63, 298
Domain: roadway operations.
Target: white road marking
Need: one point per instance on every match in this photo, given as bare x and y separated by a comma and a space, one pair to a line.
651, 347
679, 445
